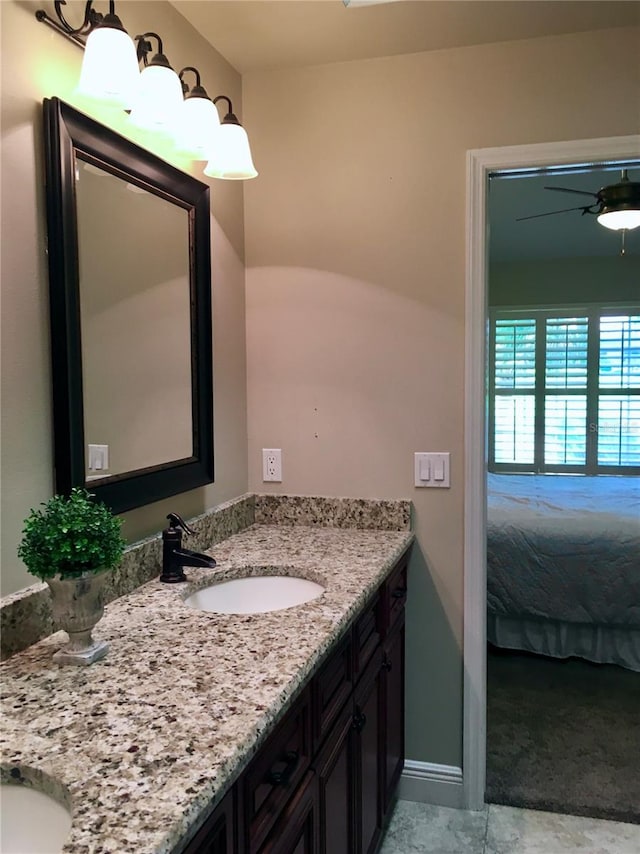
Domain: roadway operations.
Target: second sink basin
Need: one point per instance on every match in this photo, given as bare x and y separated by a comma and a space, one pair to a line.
32, 822
255, 594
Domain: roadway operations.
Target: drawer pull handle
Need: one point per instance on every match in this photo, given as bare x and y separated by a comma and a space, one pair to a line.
359, 721
283, 778
399, 593
386, 663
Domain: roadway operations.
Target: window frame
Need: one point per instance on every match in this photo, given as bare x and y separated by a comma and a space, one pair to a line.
592, 389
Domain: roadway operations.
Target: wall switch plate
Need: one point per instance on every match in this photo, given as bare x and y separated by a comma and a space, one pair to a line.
98, 457
272, 465
431, 469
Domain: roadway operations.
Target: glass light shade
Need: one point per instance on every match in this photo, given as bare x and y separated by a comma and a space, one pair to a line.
110, 72
618, 220
231, 159
198, 126
159, 99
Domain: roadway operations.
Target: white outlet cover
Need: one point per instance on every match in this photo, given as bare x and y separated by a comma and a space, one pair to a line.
272, 465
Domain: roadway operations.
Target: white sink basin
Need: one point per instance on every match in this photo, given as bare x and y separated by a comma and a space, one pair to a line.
31, 822
255, 594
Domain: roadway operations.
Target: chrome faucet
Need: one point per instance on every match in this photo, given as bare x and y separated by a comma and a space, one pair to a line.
174, 557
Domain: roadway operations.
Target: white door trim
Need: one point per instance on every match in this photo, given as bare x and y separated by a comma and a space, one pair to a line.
480, 164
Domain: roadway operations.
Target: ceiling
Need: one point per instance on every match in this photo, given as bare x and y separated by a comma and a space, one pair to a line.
272, 34
277, 34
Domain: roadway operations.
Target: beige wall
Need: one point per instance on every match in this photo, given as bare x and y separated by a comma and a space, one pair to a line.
355, 286
39, 63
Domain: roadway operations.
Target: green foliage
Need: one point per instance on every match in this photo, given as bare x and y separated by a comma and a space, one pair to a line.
71, 535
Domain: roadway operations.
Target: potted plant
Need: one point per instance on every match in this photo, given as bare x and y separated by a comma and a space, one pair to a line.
71, 544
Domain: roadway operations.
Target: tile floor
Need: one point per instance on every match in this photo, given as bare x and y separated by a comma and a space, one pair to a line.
503, 830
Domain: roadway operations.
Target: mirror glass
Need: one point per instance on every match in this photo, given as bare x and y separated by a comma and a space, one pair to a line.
129, 250
136, 342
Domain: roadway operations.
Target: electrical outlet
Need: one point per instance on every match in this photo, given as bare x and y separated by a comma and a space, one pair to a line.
272, 464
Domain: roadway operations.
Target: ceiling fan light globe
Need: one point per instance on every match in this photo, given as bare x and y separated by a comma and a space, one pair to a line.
619, 220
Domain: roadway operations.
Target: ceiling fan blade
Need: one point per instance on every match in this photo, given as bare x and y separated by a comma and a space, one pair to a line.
551, 213
569, 190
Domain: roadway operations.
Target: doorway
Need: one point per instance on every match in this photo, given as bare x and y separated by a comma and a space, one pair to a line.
481, 164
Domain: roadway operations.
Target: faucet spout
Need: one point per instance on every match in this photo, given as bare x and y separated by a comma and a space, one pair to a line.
174, 557
189, 558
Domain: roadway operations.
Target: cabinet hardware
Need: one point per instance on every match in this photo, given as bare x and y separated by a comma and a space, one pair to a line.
283, 777
399, 593
359, 721
386, 663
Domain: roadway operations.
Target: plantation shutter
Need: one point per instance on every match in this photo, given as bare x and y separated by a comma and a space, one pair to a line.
514, 379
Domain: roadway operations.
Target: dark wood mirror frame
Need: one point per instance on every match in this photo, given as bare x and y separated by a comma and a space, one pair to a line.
68, 132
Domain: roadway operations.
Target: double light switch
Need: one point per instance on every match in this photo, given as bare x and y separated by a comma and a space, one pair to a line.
432, 469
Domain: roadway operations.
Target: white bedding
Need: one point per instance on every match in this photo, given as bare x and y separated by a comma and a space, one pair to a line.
563, 550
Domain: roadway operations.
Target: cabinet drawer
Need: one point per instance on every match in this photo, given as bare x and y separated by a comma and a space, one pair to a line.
276, 771
366, 634
332, 686
395, 595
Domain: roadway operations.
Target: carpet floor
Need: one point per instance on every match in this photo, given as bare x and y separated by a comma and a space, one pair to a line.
563, 736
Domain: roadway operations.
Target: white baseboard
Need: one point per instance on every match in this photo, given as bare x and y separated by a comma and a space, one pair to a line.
429, 783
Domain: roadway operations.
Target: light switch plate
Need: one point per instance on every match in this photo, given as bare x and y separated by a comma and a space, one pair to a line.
98, 458
432, 469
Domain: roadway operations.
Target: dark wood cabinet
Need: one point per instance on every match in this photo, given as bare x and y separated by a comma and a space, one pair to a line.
393, 714
369, 728
324, 781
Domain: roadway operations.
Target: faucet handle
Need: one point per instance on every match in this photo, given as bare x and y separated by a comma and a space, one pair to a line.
178, 522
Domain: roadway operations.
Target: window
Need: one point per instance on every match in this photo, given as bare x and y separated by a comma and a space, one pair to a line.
564, 390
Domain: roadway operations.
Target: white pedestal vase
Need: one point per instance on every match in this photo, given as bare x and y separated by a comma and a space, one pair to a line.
77, 605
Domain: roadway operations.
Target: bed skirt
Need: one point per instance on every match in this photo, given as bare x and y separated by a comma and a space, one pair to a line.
596, 643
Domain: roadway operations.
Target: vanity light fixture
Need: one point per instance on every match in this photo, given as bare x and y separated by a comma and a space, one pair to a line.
110, 70
232, 156
154, 96
199, 122
159, 97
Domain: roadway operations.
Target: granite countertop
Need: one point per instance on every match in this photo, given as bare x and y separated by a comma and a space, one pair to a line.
140, 743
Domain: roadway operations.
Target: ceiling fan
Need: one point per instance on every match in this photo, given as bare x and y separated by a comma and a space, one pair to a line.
616, 206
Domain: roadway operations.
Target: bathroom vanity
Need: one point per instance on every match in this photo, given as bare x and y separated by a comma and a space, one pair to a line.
274, 732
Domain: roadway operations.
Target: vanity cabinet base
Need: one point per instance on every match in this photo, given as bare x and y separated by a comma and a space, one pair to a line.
325, 780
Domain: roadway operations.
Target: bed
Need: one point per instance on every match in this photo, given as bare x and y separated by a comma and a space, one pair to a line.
563, 566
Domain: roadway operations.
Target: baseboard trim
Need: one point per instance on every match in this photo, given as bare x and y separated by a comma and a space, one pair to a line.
429, 783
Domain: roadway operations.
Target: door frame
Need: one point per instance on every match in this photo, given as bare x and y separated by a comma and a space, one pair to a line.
481, 163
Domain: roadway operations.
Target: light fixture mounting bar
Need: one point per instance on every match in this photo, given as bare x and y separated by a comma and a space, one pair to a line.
78, 35
78, 40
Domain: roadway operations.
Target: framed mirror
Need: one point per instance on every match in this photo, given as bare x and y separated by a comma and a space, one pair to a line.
130, 304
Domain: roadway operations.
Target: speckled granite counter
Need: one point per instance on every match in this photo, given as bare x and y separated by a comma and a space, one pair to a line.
143, 741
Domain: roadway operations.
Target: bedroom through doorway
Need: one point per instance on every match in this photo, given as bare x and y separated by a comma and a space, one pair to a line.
563, 496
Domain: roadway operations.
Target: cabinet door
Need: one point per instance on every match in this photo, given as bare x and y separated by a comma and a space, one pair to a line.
368, 713
216, 836
336, 787
275, 773
296, 831
393, 711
